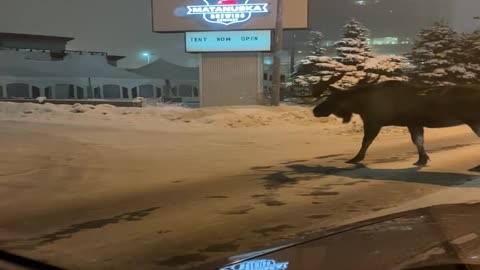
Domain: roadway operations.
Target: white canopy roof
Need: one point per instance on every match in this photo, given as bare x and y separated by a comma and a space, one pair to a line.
39, 64
168, 71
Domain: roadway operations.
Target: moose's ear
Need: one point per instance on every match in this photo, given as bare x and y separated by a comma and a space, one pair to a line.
321, 100
326, 93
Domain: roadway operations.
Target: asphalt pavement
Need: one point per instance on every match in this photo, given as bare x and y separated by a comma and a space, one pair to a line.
84, 198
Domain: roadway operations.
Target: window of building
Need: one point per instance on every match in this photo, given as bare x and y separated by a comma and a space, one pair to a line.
125, 92
185, 90
80, 93
62, 91
174, 91
18, 90
1, 92
134, 92
89, 92
71, 92
97, 92
48, 92
111, 91
35, 92
159, 92
196, 93
146, 91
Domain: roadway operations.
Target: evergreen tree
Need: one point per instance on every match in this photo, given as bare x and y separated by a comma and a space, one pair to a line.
473, 50
354, 51
315, 43
376, 69
438, 57
353, 48
470, 53
315, 69
354, 64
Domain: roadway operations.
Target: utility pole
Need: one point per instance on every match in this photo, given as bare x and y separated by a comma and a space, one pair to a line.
278, 42
293, 51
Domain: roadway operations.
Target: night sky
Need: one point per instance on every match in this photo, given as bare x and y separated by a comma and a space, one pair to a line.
123, 27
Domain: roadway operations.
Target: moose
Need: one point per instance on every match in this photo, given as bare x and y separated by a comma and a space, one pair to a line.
403, 104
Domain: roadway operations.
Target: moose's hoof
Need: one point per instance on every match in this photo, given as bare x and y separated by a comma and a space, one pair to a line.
355, 160
422, 161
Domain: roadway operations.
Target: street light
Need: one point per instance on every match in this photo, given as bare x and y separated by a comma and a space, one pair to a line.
148, 56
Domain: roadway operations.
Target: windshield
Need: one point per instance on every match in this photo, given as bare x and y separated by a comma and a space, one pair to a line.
159, 134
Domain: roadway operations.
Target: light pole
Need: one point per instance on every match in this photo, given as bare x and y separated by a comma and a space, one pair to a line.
276, 83
148, 56
293, 51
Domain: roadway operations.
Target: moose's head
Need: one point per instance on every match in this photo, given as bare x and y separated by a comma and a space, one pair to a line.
334, 102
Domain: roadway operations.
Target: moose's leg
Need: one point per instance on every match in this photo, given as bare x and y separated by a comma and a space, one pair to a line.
370, 133
418, 139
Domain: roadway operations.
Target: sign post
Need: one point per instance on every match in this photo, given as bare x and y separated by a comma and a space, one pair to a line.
231, 37
277, 49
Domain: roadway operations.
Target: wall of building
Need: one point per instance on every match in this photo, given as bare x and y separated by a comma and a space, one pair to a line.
79, 75
241, 82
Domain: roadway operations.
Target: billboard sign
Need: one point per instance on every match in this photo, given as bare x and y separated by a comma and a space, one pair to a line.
229, 41
228, 12
225, 15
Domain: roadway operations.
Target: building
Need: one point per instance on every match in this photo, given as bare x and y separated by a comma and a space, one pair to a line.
393, 24
34, 66
183, 81
384, 18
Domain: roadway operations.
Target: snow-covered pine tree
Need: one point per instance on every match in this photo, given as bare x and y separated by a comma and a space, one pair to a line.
314, 43
323, 71
386, 68
437, 57
355, 64
353, 48
377, 69
315, 69
470, 54
472, 41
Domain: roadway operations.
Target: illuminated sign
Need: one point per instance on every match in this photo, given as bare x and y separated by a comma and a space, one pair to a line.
258, 265
229, 41
227, 12
171, 16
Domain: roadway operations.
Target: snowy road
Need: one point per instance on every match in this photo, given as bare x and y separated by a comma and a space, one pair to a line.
106, 198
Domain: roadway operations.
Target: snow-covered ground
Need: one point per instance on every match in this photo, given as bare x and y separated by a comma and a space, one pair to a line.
168, 116
171, 117
99, 187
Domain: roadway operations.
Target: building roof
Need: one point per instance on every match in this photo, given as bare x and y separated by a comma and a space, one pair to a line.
115, 57
165, 70
38, 64
30, 36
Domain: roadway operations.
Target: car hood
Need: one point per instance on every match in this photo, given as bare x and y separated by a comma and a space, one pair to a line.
440, 235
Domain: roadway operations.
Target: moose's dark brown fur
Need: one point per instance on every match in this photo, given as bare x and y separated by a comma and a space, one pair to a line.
406, 105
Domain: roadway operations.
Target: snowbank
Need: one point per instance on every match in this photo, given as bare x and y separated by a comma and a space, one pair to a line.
171, 117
